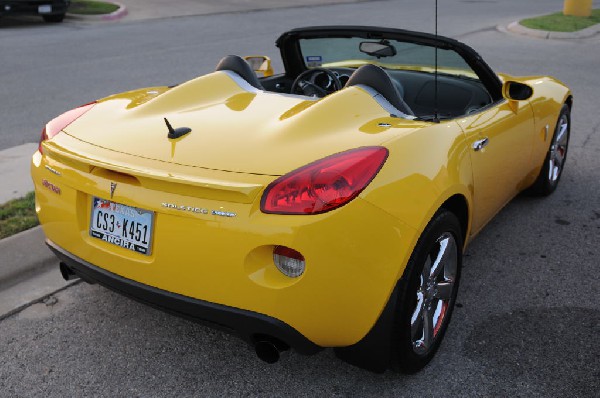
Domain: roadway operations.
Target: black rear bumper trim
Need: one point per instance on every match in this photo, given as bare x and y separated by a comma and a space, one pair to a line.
248, 325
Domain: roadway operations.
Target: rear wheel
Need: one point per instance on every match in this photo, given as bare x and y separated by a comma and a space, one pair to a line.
54, 18
428, 293
556, 157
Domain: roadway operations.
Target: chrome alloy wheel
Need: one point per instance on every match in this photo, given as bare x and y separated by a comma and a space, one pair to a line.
558, 149
435, 291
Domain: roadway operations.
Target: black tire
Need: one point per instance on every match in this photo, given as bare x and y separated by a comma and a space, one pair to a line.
54, 18
409, 351
547, 181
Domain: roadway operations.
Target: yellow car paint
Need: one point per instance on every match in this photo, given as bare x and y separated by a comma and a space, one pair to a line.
229, 260
287, 131
354, 255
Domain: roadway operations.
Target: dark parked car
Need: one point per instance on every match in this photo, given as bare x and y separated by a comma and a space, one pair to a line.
50, 10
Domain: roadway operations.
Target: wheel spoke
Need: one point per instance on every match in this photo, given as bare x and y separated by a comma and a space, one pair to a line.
440, 259
558, 149
562, 132
451, 262
428, 327
555, 171
416, 321
551, 167
433, 295
443, 290
425, 274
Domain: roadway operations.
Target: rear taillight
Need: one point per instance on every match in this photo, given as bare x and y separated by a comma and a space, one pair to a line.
325, 184
59, 123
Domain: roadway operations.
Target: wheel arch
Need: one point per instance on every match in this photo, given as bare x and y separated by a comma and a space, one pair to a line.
373, 352
459, 206
569, 102
456, 199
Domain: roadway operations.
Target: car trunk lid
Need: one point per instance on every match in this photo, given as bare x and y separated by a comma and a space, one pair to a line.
233, 129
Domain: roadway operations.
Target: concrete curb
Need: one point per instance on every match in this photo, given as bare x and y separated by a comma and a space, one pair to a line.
28, 272
113, 16
32, 291
140, 10
517, 28
120, 13
24, 255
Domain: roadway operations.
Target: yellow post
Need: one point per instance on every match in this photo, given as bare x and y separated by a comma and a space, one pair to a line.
578, 8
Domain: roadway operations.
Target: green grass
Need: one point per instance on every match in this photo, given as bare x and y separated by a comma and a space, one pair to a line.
18, 215
89, 7
558, 22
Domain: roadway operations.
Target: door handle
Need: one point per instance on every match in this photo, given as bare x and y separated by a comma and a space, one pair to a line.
480, 144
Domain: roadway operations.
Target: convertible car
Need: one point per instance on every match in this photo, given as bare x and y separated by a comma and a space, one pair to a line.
325, 206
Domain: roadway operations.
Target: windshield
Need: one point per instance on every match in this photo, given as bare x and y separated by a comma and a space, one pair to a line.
391, 54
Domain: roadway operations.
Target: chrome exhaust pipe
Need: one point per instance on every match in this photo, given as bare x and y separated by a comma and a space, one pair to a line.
269, 350
66, 272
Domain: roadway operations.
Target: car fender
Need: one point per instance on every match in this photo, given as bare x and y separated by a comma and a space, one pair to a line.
549, 95
424, 169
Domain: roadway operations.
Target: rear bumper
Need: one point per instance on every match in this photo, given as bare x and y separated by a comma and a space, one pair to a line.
355, 255
249, 325
32, 7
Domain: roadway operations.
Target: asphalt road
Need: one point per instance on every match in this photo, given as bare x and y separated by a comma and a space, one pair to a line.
528, 321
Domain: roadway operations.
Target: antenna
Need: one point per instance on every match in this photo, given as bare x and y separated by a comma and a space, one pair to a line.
436, 116
171, 129
178, 132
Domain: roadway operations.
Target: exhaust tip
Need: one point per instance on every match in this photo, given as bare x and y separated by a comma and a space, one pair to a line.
267, 351
66, 272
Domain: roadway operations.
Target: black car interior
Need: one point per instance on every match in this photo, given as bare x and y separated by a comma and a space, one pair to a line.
237, 64
457, 95
378, 79
411, 92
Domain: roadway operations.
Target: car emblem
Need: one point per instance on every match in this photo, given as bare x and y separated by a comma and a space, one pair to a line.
198, 210
113, 186
51, 186
54, 171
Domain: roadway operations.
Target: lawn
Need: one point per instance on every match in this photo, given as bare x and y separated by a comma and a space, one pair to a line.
89, 7
558, 22
18, 215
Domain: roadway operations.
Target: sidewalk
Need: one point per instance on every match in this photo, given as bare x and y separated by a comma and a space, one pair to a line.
28, 271
14, 171
151, 9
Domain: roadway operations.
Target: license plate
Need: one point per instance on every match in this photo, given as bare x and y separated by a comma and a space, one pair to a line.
122, 225
45, 9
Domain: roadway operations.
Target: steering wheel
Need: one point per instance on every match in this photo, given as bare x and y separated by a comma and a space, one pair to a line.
304, 83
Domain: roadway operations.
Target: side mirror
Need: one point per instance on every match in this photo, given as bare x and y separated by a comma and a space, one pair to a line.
516, 91
260, 64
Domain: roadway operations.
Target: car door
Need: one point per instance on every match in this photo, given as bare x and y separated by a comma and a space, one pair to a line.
499, 141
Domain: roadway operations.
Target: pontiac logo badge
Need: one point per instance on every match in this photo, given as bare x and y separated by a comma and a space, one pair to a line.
113, 186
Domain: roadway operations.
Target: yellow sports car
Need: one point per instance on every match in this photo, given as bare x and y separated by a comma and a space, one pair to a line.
326, 206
